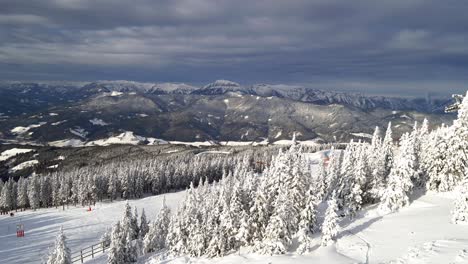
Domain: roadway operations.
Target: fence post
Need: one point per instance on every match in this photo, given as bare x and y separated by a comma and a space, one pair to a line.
81, 254
92, 251
103, 247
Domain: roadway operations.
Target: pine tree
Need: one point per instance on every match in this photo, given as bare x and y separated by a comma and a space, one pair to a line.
307, 223
61, 254
112, 189
387, 150
22, 193
116, 253
460, 211
330, 226
33, 192
400, 185
457, 160
358, 184
135, 225
280, 229
157, 236
143, 224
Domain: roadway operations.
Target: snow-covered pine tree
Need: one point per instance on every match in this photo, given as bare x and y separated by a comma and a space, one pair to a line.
127, 221
343, 187
157, 235
307, 222
333, 171
5, 198
330, 226
45, 191
22, 193
435, 161
135, 225
400, 186
460, 210
387, 151
116, 253
61, 254
280, 229
112, 187
106, 237
457, 160
357, 185
143, 224
64, 192
33, 191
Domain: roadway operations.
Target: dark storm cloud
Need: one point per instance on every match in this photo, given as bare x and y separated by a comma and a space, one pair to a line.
363, 45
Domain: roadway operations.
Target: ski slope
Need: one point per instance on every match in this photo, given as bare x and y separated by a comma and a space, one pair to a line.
82, 228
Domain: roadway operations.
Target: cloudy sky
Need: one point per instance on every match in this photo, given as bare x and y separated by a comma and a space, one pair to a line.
388, 47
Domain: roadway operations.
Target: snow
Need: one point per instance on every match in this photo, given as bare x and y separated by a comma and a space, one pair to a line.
156, 141
214, 152
194, 144
59, 122
82, 228
53, 114
24, 165
125, 138
279, 134
12, 152
79, 132
21, 129
98, 122
362, 135
67, 143
115, 93
289, 142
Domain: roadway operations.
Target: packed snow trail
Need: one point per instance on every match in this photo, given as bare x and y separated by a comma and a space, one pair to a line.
82, 228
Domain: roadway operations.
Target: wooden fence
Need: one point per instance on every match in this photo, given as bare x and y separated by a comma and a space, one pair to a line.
89, 252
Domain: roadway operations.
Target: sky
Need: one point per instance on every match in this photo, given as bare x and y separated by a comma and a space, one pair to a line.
397, 47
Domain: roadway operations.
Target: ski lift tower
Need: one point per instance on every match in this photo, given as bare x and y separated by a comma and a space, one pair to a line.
456, 105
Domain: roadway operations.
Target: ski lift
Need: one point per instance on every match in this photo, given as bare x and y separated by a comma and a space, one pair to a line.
456, 105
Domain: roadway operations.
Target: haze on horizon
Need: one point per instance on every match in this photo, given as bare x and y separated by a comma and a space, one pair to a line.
399, 47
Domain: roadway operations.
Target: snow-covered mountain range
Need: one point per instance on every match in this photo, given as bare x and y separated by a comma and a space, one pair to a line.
221, 111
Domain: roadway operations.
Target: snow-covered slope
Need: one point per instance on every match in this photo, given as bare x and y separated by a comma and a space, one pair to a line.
82, 228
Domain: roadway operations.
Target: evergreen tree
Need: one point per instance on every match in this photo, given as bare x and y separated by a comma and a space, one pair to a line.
33, 192
307, 223
61, 254
460, 211
22, 193
330, 226
143, 224
116, 253
400, 185
157, 236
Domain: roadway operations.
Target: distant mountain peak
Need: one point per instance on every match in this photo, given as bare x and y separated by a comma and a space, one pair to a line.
221, 83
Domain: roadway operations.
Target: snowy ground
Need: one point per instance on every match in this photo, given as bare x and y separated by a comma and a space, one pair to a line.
420, 233
82, 228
